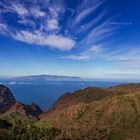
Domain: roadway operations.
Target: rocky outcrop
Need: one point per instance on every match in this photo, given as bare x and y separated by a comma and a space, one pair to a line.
28, 111
7, 99
34, 110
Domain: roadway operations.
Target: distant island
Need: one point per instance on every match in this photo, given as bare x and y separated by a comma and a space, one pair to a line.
38, 79
43, 78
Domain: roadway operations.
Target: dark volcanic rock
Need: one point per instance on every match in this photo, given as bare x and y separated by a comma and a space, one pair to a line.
6, 99
34, 110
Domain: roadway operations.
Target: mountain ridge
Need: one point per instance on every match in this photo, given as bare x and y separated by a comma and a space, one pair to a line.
111, 117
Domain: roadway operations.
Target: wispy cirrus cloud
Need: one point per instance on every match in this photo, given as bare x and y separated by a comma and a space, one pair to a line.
123, 55
19, 9
119, 64
53, 41
3, 28
101, 31
121, 23
77, 57
126, 56
91, 53
85, 11
88, 26
37, 12
54, 24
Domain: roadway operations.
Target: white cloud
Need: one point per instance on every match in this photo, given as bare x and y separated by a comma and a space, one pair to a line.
19, 9
99, 32
127, 55
30, 37
39, 32
42, 25
52, 24
27, 22
95, 49
38, 38
3, 28
23, 11
84, 13
60, 42
91, 53
77, 57
90, 25
37, 12
121, 23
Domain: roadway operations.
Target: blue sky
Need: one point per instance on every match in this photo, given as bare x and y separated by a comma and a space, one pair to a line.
96, 39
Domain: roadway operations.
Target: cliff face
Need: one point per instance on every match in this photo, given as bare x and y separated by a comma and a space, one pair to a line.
6, 99
11, 109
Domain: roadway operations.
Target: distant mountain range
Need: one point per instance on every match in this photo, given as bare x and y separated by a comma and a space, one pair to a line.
44, 78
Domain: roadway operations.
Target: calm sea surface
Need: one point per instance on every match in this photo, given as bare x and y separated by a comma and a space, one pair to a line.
45, 94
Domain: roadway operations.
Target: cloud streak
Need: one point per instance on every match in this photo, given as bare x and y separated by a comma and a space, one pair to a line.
91, 53
88, 10
121, 23
53, 41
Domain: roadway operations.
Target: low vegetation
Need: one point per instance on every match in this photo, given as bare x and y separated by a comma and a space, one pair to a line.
21, 130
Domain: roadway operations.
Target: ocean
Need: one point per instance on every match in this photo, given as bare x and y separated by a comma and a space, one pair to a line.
46, 93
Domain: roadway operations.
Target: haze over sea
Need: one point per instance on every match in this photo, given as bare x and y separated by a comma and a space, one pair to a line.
45, 94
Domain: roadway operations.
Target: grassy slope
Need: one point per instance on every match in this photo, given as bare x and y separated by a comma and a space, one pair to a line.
11, 116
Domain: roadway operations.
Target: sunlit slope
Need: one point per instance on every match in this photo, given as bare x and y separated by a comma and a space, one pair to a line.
112, 117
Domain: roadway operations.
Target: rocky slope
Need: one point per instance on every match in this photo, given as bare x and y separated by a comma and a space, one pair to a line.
86, 95
100, 114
